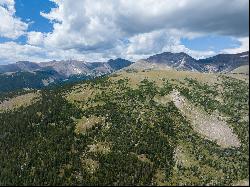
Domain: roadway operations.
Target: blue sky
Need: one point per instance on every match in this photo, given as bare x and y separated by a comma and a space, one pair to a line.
210, 42
29, 11
41, 30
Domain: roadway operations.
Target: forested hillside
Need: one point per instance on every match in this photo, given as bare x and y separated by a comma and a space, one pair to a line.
130, 128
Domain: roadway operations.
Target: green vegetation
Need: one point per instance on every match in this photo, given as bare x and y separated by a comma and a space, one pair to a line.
20, 80
118, 134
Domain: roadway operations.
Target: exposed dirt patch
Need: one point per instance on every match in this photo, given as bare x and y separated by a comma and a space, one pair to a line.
142, 157
162, 99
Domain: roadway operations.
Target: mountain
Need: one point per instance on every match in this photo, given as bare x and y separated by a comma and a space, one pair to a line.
23, 73
224, 62
178, 61
69, 67
26, 74
118, 63
130, 128
26, 79
74, 67
182, 61
19, 66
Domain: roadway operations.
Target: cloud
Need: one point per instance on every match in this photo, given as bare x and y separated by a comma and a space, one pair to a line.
219, 17
35, 38
102, 29
146, 44
143, 26
244, 46
11, 52
83, 25
11, 26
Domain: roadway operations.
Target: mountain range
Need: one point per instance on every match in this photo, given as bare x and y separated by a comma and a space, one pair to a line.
181, 61
25, 74
68, 68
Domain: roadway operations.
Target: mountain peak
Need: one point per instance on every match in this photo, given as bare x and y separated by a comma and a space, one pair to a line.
119, 63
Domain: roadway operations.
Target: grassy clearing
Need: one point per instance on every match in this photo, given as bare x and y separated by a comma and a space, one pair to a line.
160, 178
82, 96
79, 93
242, 70
19, 101
100, 147
90, 165
83, 124
160, 75
183, 157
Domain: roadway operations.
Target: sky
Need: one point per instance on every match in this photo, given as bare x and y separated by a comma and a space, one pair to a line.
98, 30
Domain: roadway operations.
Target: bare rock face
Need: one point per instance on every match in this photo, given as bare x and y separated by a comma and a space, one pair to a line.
207, 125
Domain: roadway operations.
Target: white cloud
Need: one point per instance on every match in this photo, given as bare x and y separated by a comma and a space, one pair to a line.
11, 26
244, 46
35, 38
11, 52
129, 27
83, 25
144, 45
102, 29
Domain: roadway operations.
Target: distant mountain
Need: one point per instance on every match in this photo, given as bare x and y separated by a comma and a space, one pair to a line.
25, 74
179, 61
20, 80
69, 67
182, 61
224, 62
19, 66
74, 67
118, 63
